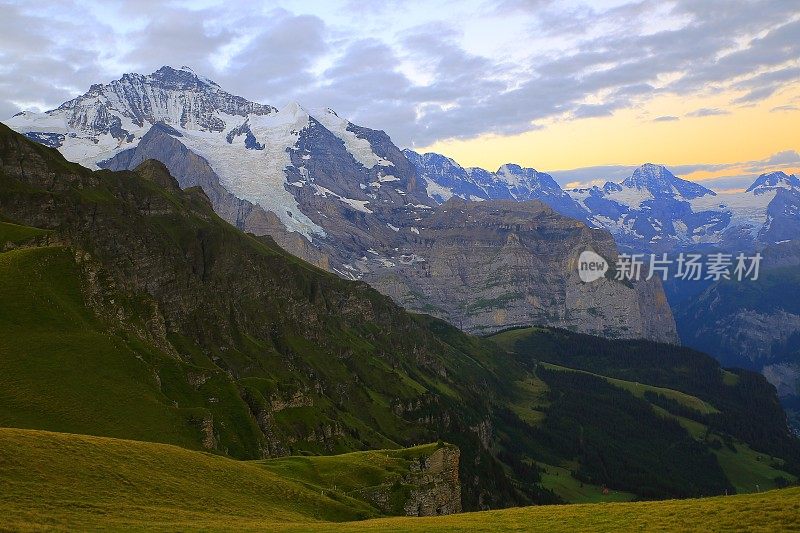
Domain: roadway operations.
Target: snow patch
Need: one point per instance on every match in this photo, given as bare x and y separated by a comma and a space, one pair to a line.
631, 197
359, 148
437, 192
358, 205
259, 176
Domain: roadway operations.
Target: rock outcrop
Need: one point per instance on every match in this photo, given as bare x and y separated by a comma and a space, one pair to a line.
436, 488
486, 266
430, 488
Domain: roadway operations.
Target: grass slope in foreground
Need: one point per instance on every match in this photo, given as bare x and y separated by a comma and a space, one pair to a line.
78, 481
63, 481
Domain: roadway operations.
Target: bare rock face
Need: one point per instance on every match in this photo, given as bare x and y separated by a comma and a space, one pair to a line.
754, 324
753, 335
437, 488
486, 266
431, 487
785, 377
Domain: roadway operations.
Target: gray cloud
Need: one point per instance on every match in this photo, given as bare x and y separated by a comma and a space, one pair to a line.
614, 58
585, 175
38, 68
766, 84
176, 37
777, 161
666, 118
595, 110
730, 183
278, 60
707, 112
787, 107
787, 157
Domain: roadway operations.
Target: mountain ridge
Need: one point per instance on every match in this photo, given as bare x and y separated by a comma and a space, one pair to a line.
652, 210
341, 196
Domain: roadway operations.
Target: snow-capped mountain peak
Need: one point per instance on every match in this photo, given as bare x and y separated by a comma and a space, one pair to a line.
359, 147
773, 181
660, 182
284, 161
648, 175
518, 176
444, 178
112, 117
294, 109
183, 78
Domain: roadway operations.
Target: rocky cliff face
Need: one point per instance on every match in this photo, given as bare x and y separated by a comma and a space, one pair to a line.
436, 488
485, 266
497, 264
431, 487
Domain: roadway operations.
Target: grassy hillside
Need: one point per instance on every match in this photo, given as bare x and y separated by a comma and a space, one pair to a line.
747, 470
13, 234
92, 482
62, 481
61, 371
561, 481
735, 395
777, 510
640, 390
350, 471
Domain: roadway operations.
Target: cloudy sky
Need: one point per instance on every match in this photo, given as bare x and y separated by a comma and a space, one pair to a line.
584, 88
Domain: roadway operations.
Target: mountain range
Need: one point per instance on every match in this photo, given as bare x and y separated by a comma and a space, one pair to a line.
753, 324
348, 200
483, 250
287, 157
650, 211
